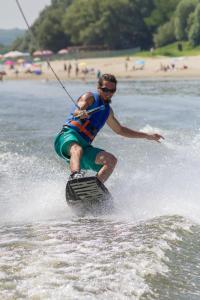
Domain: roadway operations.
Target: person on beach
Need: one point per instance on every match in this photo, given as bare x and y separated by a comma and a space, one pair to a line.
76, 69
69, 68
74, 141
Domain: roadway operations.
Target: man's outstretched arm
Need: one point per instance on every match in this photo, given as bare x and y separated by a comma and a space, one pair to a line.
114, 124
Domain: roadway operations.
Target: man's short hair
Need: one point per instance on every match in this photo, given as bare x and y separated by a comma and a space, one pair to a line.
106, 77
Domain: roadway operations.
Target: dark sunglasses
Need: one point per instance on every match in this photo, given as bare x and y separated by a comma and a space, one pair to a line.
106, 90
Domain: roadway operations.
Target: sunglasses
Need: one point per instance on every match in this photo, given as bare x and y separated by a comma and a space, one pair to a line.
106, 90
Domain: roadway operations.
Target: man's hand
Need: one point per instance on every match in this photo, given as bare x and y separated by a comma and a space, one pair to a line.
81, 114
155, 137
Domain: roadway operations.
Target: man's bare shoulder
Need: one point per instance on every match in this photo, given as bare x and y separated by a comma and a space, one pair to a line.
87, 95
87, 98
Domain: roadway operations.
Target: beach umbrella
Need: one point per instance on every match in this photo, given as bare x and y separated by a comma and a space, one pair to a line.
82, 64
47, 52
63, 51
9, 63
28, 65
139, 62
42, 53
37, 72
37, 59
37, 53
13, 54
20, 61
181, 58
177, 59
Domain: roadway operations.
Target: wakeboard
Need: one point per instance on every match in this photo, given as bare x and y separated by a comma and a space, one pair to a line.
88, 195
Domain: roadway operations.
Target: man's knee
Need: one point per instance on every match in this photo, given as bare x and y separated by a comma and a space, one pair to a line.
107, 158
75, 149
112, 160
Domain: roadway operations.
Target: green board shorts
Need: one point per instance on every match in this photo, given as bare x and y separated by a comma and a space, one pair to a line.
62, 145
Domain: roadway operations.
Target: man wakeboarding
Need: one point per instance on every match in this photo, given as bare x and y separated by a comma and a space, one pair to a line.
74, 142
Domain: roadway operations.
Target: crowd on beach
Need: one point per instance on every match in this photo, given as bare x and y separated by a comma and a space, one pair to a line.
83, 69
22, 68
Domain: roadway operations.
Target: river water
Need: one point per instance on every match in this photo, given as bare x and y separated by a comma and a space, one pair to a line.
149, 247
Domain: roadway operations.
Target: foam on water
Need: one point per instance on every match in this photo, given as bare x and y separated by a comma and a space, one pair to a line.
101, 259
162, 181
166, 184
29, 192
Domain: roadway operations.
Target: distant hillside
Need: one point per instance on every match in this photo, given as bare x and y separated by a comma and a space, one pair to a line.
7, 36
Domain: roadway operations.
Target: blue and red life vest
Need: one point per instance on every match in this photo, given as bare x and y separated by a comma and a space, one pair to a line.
89, 127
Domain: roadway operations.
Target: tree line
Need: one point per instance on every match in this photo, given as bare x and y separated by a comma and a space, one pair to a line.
114, 24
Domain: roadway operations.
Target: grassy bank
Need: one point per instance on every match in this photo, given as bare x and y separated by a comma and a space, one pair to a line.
171, 51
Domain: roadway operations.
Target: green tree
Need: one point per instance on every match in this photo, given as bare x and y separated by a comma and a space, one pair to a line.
77, 23
113, 23
49, 31
182, 17
61, 3
165, 34
194, 33
161, 13
144, 6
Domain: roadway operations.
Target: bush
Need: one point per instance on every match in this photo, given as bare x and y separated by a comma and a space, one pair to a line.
179, 47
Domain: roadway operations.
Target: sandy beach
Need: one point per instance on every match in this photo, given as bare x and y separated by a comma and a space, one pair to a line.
132, 68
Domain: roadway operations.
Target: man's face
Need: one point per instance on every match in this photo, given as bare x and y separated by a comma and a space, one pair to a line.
107, 90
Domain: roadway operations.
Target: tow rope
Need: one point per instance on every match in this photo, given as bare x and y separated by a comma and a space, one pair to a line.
50, 66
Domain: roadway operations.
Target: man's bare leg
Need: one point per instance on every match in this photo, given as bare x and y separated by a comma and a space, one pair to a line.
76, 152
108, 161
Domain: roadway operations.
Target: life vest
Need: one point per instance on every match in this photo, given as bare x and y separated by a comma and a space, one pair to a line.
89, 127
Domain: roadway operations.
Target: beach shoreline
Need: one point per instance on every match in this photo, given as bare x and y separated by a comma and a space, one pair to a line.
124, 68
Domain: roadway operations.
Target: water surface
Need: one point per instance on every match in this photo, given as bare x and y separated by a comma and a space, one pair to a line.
149, 247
